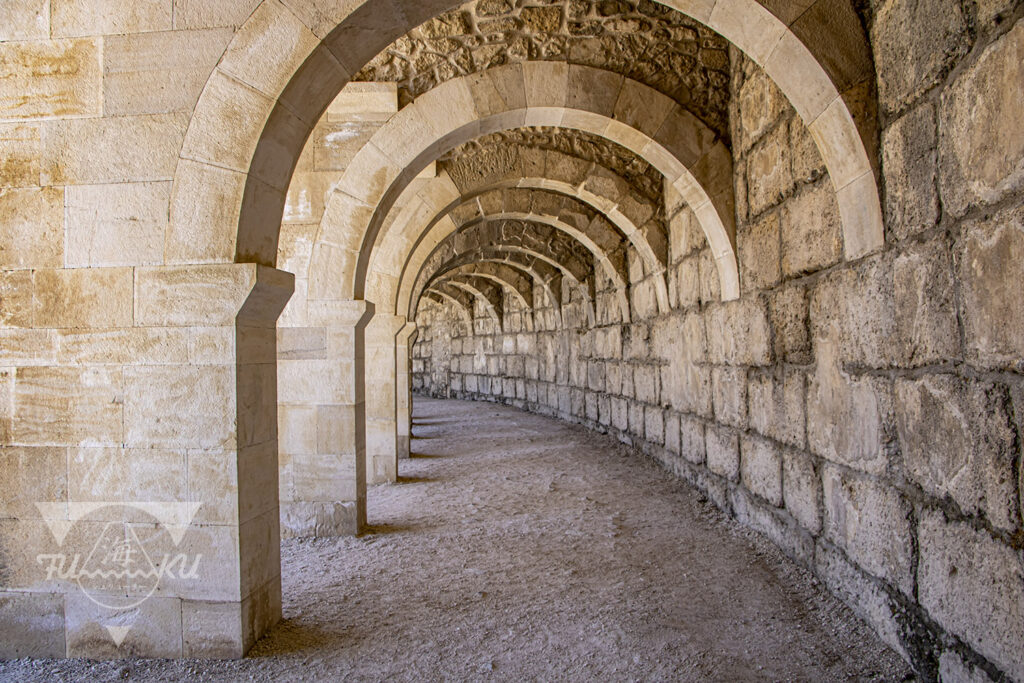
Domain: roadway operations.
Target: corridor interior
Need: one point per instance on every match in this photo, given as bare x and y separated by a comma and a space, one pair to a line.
682, 287
517, 547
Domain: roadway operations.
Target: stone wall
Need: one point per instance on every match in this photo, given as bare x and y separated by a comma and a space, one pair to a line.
865, 415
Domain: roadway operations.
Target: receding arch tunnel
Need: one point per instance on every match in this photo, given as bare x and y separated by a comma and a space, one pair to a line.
771, 245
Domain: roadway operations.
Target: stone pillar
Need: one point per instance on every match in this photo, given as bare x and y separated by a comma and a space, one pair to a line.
140, 434
381, 422
403, 388
323, 418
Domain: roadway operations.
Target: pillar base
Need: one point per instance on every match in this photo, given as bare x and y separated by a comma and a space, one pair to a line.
319, 519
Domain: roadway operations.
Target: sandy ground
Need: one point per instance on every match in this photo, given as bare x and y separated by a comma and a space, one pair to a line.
516, 547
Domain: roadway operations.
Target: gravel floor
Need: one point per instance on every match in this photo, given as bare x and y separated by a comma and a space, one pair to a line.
516, 547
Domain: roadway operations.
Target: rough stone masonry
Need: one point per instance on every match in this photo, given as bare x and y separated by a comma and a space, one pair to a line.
777, 246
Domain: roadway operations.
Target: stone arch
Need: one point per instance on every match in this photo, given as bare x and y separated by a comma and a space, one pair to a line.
673, 141
460, 305
539, 271
424, 250
513, 282
620, 217
283, 68
549, 272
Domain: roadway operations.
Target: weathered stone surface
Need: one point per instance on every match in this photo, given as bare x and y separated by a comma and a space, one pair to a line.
788, 312
805, 157
990, 268
772, 523
761, 104
761, 468
849, 420
50, 79
958, 441
31, 233
31, 625
16, 297
196, 14
723, 454
95, 298
769, 177
924, 296
25, 20
973, 586
729, 396
154, 73
801, 490
909, 163
981, 147
871, 522
155, 628
72, 18
67, 405
137, 149
860, 592
197, 406
31, 475
20, 152
691, 439
915, 43
776, 406
115, 225
738, 333
855, 307
758, 250
953, 668
811, 231
683, 59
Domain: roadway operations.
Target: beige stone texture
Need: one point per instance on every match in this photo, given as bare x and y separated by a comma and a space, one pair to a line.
198, 14
67, 405
761, 469
30, 228
50, 79
871, 522
990, 270
154, 73
227, 122
982, 147
32, 625
801, 490
20, 155
203, 227
139, 149
16, 294
973, 586
957, 442
115, 225
811, 231
25, 20
271, 28
196, 406
909, 164
769, 177
29, 475
758, 250
847, 417
72, 18
90, 298
860, 592
914, 43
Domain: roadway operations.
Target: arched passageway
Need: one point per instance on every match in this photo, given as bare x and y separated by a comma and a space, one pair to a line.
743, 237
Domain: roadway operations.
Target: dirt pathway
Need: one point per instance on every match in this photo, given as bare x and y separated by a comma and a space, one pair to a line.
516, 548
